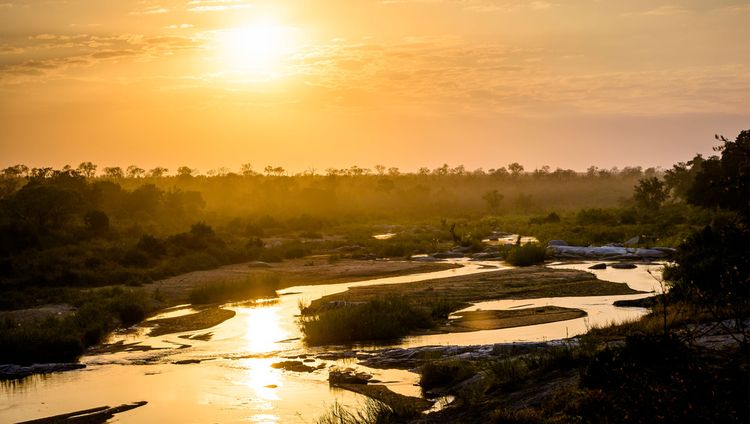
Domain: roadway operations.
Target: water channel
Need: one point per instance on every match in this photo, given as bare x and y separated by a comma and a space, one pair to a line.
234, 380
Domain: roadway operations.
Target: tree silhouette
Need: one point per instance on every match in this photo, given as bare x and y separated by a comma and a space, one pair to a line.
158, 172
135, 172
493, 199
650, 193
185, 172
114, 172
87, 169
515, 168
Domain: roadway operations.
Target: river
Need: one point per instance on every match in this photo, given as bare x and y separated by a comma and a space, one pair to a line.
234, 381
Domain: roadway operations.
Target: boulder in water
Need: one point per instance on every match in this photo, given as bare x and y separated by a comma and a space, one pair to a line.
599, 266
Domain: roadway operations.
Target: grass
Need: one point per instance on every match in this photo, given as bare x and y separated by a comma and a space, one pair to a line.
252, 287
445, 373
381, 318
526, 255
53, 339
372, 412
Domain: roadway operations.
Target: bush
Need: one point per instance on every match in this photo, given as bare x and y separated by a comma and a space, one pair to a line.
526, 255
255, 286
382, 318
445, 373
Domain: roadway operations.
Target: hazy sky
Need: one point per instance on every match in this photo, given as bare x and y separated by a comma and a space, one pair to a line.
408, 83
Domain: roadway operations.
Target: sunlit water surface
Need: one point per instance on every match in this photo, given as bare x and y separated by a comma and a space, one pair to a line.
234, 381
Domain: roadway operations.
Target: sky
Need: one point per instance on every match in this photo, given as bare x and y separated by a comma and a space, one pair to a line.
313, 84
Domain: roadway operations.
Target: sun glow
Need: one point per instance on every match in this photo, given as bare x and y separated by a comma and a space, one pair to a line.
259, 49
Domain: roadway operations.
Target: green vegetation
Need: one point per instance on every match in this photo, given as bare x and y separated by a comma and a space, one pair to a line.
53, 339
373, 412
374, 313
381, 318
686, 361
68, 234
526, 255
253, 287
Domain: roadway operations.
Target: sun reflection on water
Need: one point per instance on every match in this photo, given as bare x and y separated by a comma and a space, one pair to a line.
263, 329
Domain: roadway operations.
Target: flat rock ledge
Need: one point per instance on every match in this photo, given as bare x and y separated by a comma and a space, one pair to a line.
11, 371
409, 358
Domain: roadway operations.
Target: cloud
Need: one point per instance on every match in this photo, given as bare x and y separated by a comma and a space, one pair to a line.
217, 5
150, 10
482, 6
55, 54
498, 78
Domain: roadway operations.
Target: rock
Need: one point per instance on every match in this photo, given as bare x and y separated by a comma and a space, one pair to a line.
633, 241
608, 252
296, 366
557, 243
334, 356
624, 265
187, 361
447, 255
270, 386
424, 259
599, 266
348, 376
486, 255
11, 371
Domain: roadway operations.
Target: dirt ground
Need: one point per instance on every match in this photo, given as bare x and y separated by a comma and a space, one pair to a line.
306, 271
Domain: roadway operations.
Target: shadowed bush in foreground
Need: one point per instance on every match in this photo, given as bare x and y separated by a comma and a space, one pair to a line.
373, 412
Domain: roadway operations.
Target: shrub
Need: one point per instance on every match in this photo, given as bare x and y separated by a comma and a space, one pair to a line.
253, 287
382, 318
526, 255
445, 373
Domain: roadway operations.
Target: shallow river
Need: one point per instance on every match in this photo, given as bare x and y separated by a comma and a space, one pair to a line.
235, 381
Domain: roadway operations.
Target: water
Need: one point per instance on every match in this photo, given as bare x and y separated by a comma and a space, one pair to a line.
235, 382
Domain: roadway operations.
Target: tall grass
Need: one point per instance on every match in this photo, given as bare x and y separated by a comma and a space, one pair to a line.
526, 255
382, 318
252, 287
372, 412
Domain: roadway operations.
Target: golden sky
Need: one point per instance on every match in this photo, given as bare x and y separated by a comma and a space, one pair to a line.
407, 83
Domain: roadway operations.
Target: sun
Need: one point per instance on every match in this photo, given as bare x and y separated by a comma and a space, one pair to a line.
259, 49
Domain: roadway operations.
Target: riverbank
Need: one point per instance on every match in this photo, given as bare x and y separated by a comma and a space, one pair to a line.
61, 332
374, 312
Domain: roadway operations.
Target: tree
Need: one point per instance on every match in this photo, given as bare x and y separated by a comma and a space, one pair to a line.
650, 193
87, 169
16, 171
515, 169
712, 264
97, 222
680, 178
114, 172
246, 169
135, 172
725, 182
185, 172
393, 171
493, 199
158, 172
442, 170
380, 169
